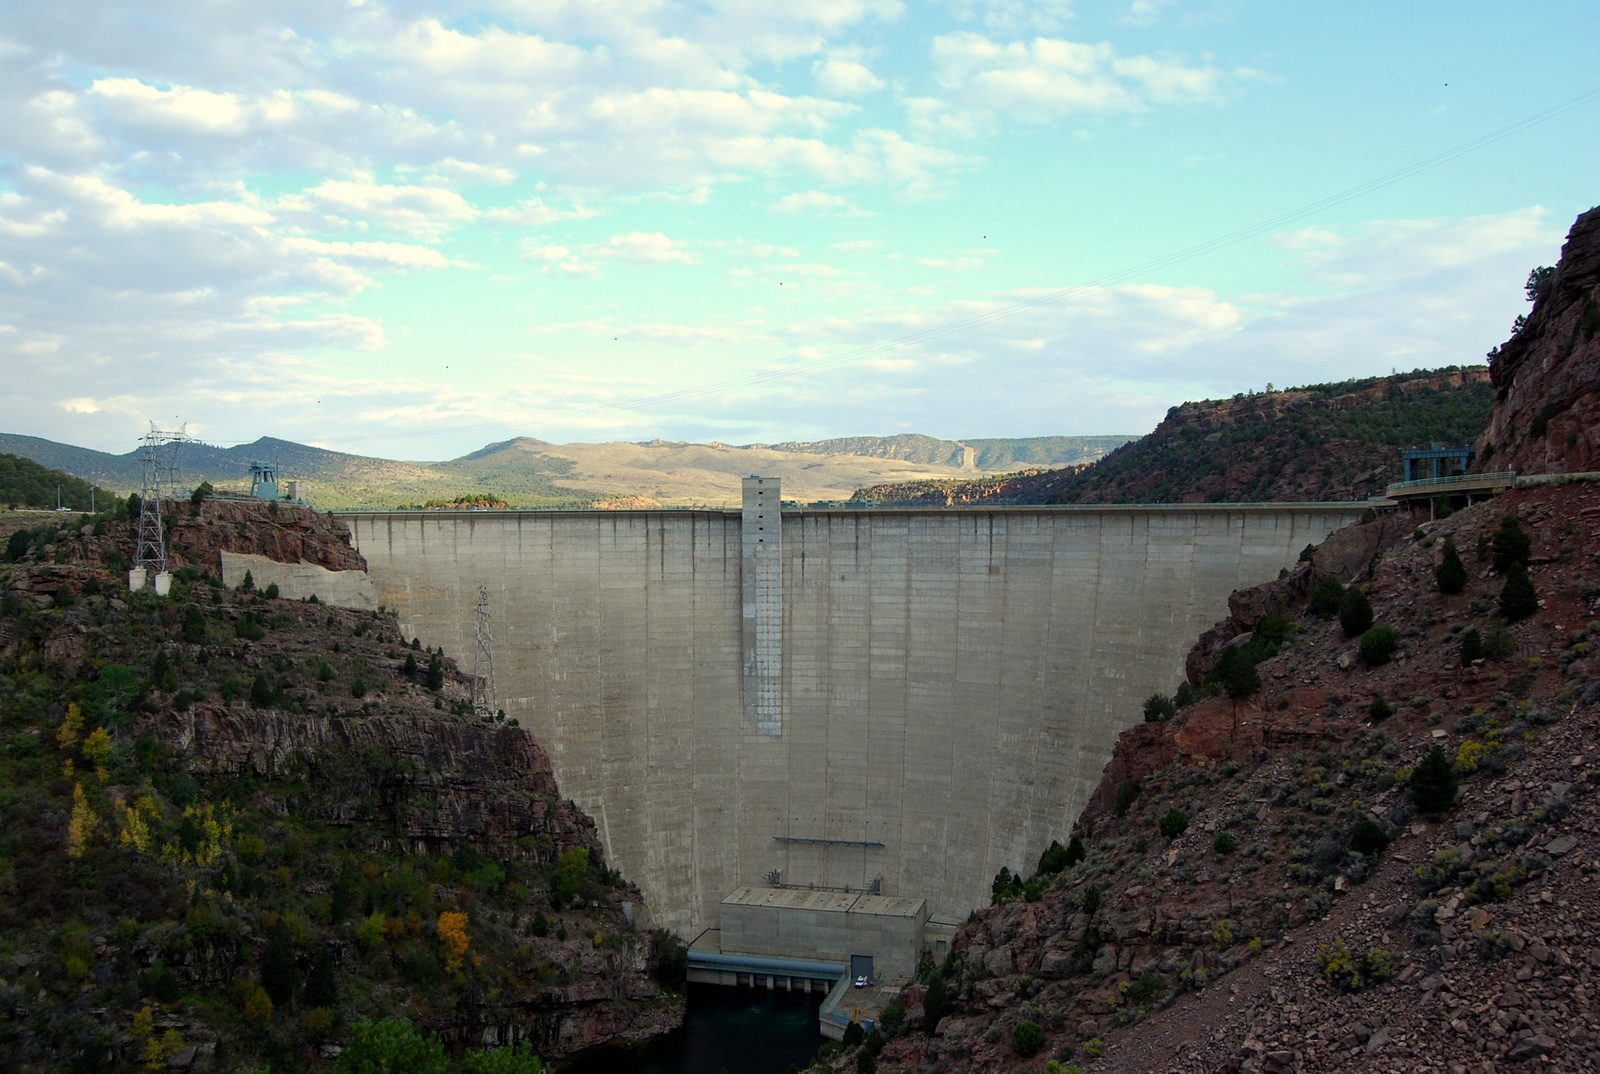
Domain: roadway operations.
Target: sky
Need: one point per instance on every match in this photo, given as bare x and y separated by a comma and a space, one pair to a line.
410, 229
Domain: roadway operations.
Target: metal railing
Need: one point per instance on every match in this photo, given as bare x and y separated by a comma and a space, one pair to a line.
1505, 477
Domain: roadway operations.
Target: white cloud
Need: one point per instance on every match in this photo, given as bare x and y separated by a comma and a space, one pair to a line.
648, 248
818, 203
1048, 78
845, 78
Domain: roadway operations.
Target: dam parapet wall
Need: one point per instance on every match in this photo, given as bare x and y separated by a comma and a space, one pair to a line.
912, 697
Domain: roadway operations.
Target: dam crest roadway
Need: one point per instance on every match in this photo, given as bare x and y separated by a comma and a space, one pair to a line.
899, 700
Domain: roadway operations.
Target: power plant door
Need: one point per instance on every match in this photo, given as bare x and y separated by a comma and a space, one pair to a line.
861, 966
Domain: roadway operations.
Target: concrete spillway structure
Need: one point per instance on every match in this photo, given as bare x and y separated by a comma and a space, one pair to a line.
914, 696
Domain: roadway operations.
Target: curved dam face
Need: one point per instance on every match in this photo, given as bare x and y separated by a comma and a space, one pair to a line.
916, 697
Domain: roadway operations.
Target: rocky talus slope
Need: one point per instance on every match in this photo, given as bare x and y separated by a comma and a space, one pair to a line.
1481, 928
1277, 877
221, 794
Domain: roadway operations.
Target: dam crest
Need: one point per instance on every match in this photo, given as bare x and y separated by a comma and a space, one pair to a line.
890, 700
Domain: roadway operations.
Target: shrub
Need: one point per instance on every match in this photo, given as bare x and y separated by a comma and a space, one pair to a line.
1498, 642
1076, 851
1026, 1039
1173, 823
271, 592
1053, 860
1378, 646
1158, 708
935, 1003
1433, 783
672, 957
1367, 837
1355, 613
322, 986
1340, 967
1091, 900
1235, 671
1224, 843
1511, 545
261, 692
1471, 647
1518, 599
1326, 598
1451, 574
358, 687
1126, 793
540, 926
1379, 710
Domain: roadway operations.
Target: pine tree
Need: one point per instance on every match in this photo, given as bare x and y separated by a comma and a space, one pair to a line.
1451, 574
1433, 783
935, 1004
435, 673
1076, 851
277, 966
1355, 613
1471, 647
1518, 599
1511, 545
322, 987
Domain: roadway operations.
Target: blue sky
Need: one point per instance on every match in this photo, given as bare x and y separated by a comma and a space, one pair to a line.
409, 229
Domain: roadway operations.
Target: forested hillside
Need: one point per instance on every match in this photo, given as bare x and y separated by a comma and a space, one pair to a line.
1321, 442
25, 483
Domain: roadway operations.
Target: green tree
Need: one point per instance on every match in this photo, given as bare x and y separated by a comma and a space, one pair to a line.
1511, 544
1173, 823
1498, 641
261, 697
1451, 574
1158, 708
1026, 1039
1433, 783
277, 966
435, 681
936, 1003
1236, 673
202, 492
1076, 851
1053, 860
1471, 647
1367, 837
1355, 613
1126, 793
1379, 645
1518, 599
1326, 598
322, 986
672, 958
570, 870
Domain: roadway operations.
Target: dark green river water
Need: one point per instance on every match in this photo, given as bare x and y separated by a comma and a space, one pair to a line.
739, 1031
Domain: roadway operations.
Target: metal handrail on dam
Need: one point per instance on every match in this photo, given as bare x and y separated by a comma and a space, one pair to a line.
921, 694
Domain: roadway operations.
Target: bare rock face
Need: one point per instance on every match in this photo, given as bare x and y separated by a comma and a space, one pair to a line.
441, 781
289, 534
1546, 418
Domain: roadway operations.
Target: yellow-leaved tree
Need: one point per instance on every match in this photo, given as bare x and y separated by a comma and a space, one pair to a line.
97, 751
453, 933
80, 829
71, 727
135, 820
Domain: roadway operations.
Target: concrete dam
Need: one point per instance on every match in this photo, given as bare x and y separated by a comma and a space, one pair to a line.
898, 701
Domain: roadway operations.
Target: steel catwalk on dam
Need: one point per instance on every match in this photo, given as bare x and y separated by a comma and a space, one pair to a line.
917, 696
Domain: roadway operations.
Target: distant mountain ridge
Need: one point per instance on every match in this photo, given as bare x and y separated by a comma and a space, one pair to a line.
529, 472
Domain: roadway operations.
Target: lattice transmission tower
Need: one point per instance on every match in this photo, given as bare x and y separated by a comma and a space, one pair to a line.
159, 460
485, 701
